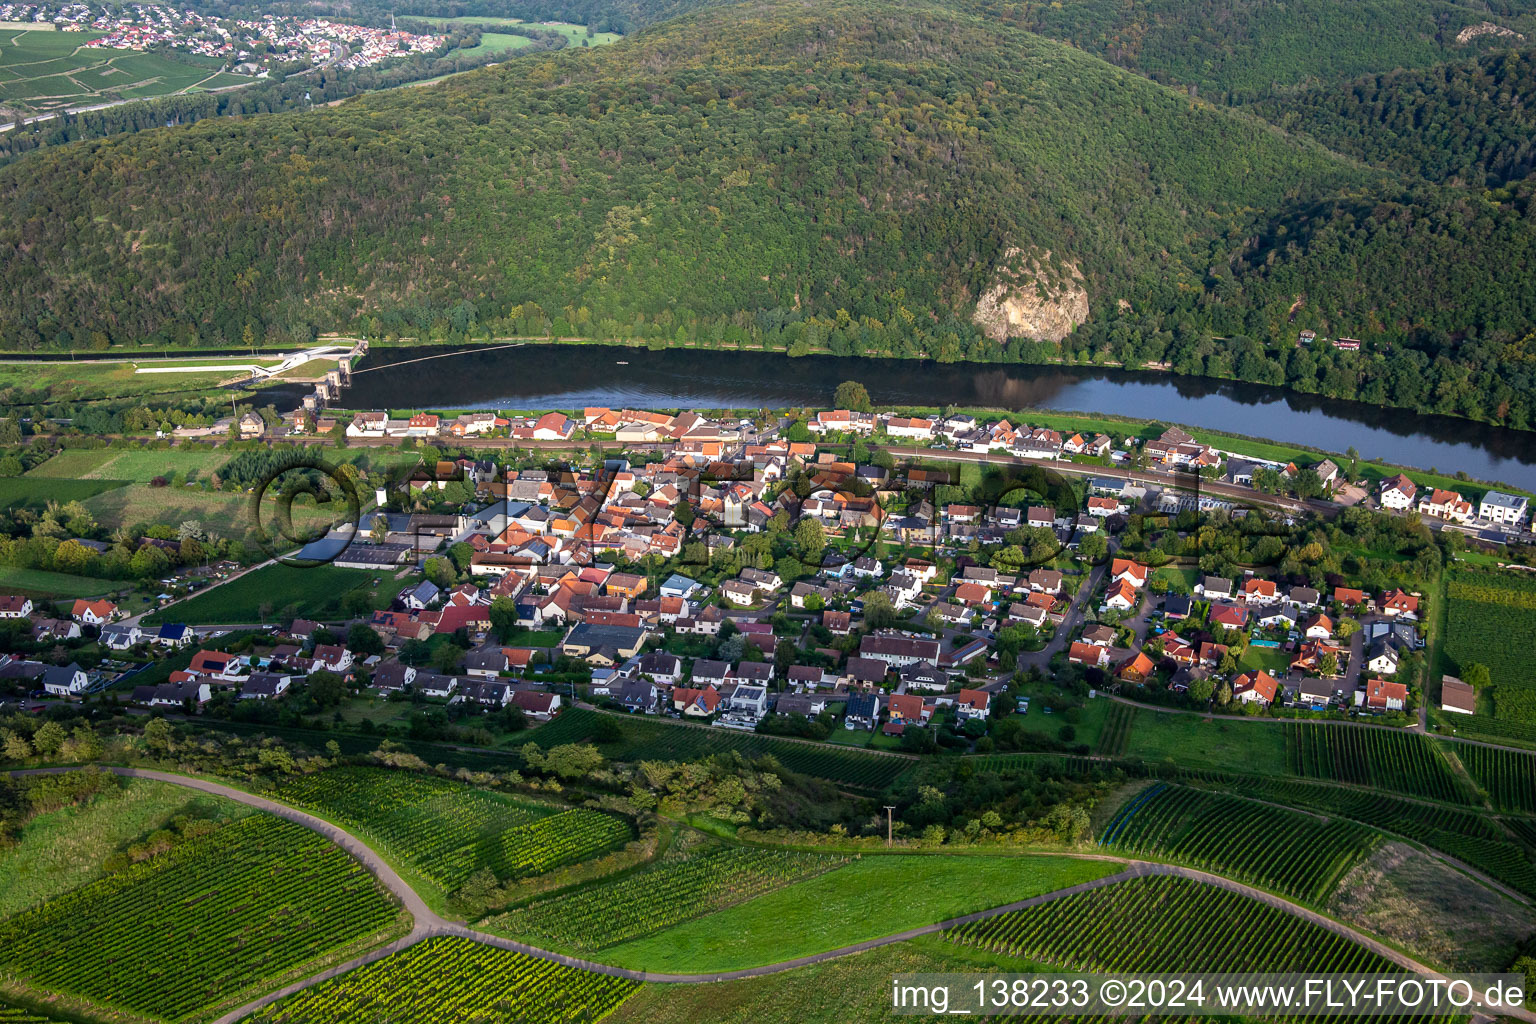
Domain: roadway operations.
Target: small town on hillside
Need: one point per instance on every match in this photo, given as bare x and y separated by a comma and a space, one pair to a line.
251, 46
888, 580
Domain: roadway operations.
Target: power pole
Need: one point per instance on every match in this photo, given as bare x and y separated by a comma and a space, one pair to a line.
888, 809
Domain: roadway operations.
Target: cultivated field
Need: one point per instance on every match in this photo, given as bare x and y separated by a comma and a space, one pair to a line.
44, 71
64, 849
41, 583
575, 34
1509, 778
695, 877
873, 896
1491, 620
30, 492
1285, 851
446, 831
1167, 924
1464, 834
291, 591
1406, 763
451, 980
186, 930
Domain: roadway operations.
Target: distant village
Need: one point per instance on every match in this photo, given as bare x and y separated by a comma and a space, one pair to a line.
723, 572
250, 46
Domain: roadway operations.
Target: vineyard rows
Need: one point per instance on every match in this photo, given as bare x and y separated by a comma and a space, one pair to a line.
16, 1015
1116, 732
1398, 762
1286, 851
1492, 620
1525, 828
647, 739
1168, 925
1507, 776
1472, 838
217, 913
451, 981
447, 830
692, 880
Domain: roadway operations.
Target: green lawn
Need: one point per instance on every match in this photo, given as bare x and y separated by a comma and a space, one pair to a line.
874, 896
575, 34
1181, 581
63, 849
291, 591
496, 42
39, 583
1191, 741
1087, 721
35, 493
127, 464
1271, 659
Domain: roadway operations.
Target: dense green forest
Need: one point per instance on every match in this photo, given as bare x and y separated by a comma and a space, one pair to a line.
1236, 50
840, 177
1469, 122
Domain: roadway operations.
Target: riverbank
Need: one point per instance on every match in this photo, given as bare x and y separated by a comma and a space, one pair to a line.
1250, 420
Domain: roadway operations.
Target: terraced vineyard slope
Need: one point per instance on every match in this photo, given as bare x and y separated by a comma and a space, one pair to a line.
246, 902
446, 831
1405, 763
1286, 851
1167, 924
694, 877
452, 980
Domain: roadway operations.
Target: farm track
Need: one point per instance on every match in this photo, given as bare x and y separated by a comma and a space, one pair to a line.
428, 924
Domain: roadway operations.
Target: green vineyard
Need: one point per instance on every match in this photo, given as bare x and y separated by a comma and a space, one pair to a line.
1398, 762
1165, 924
1286, 851
450, 981
647, 739
1466, 835
1525, 830
17, 1015
1116, 733
1507, 776
248, 901
693, 878
1491, 619
447, 831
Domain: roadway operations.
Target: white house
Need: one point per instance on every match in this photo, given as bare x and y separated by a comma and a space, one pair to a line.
13, 606
368, 424
67, 681
1398, 493
1499, 507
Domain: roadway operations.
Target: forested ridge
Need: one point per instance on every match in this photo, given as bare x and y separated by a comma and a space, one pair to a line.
1471, 122
840, 177
1240, 50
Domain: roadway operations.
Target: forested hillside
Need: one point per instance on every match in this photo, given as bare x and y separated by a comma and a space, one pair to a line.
1470, 122
1237, 50
842, 176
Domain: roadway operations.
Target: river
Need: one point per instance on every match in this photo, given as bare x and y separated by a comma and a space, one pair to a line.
573, 376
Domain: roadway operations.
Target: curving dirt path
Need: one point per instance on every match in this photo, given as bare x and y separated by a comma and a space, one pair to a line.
428, 924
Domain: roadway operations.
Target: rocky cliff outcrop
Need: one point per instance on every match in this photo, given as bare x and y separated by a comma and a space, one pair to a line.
1030, 297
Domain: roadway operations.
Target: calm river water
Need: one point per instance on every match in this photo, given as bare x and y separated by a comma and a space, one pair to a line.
568, 376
